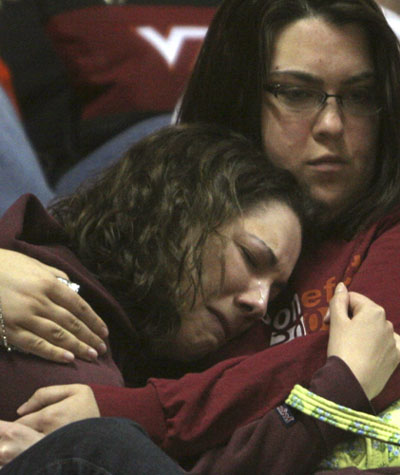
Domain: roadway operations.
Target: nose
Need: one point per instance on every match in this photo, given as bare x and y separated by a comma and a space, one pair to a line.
253, 301
330, 119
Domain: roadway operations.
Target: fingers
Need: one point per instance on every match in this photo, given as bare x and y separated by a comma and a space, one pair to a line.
14, 439
338, 306
54, 271
55, 406
64, 332
47, 318
364, 339
327, 317
58, 345
397, 342
364, 308
44, 397
63, 296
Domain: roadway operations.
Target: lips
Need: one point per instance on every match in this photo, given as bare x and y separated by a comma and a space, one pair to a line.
223, 322
328, 163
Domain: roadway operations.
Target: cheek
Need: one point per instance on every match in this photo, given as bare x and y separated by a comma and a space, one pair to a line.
221, 277
364, 139
284, 141
362, 146
236, 275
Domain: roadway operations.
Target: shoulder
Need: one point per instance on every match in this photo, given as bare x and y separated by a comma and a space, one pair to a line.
389, 220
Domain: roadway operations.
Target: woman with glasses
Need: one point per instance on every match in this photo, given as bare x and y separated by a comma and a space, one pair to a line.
314, 83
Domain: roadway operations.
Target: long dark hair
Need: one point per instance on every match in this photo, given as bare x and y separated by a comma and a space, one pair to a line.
141, 227
226, 84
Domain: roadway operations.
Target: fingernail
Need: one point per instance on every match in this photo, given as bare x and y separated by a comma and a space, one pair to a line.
21, 408
104, 332
102, 348
92, 353
68, 356
340, 287
327, 315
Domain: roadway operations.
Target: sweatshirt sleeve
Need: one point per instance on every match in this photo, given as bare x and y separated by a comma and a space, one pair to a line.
138, 404
202, 410
285, 440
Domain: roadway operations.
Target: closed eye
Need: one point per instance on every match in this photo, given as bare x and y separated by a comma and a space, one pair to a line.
298, 94
360, 95
249, 257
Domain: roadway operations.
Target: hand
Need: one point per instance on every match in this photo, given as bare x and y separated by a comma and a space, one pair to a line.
366, 342
55, 406
42, 315
14, 439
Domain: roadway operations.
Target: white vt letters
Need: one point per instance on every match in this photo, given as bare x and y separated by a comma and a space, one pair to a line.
170, 46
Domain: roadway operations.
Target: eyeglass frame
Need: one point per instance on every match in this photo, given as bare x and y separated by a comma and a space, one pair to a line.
274, 90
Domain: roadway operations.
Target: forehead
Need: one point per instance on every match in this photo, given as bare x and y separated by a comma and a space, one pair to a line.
314, 46
272, 220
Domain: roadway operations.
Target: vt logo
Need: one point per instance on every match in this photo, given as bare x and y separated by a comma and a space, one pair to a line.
169, 47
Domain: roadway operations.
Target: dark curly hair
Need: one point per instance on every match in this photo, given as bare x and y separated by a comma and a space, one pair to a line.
226, 85
142, 225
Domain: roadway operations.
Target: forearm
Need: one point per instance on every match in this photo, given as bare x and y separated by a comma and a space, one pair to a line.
200, 411
284, 440
141, 405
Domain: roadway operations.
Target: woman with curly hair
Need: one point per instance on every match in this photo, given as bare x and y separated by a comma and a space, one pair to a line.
192, 233
151, 228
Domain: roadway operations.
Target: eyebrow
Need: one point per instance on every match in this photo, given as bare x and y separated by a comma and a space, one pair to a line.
311, 78
273, 261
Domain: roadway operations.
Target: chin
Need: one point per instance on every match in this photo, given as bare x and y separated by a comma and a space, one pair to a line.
335, 201
190, 353
200, 352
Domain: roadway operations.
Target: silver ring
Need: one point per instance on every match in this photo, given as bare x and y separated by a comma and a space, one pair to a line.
3, 334
71, 285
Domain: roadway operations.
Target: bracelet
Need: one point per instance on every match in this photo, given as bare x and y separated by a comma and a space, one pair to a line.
3, 334
344, 418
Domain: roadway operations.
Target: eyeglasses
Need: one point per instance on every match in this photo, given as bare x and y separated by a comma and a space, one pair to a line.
358, 101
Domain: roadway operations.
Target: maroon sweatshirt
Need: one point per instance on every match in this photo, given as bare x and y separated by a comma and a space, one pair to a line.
200, 411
